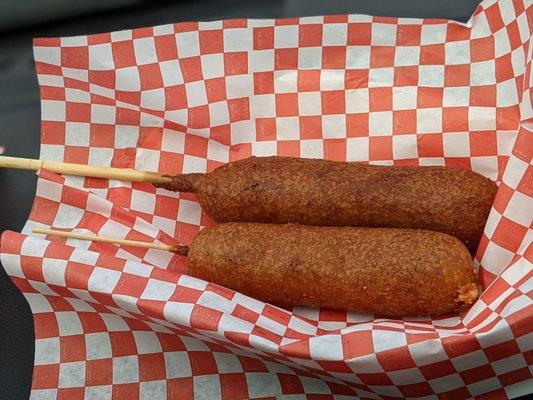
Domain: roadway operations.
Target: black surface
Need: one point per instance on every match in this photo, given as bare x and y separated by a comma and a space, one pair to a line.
20, 116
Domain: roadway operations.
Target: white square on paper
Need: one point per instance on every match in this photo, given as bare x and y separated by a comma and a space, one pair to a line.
103, 114
332, 79
114, 323
387, 340
144, 50
506, 93
456, 96
358, 57
219, 113
406, 376
143, 201
47, 351
49, 55
404, 146
103, 280
260, 60
285, 81
171, 72
380, 123
239, 86
263, 106
286, 36
404, 98
189, 211
334, 126
431, 75
147, 159
72, 374
212, 65
173, 141
383, 34
127, 79
326, 347
68, 323
309, 57
147, 342
125, 369
309, 103
77, 133
456, 53
158, 290
379, 77
406, 55
357, 149
53, 110
334, 34
312, 148
153, 99
433, 34
97, 346
177, 364
238, 39
101, 57
357, 100
481, 118
54, 271
429, 120
153, 389
483, 73
227, 363
288, 128
68, 216
196, 93
188, 44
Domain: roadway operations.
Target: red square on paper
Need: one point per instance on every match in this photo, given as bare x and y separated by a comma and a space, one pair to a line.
416, 390
483, 143
151, 367
308, 80
150, 75
356, 78
380, 148
289, 148
357, 125
509, 234
199, 117
123, 343
44, 210
264, 38
45, 325
233, 386
432, 54
165, 47
175, 97
211, 41
310, 35
91, 322
264, 82
78, 112
455, 119
429, 97
191, 69
196, 145
380, 99
382, 56
482, 49
202, 363
456, 32
359, 34
123, 54
333, 102
265, 129
408, 35
438, 369
404, 122
483, 96
286, 104
406, 76
150, 138
457, 75
395, 359
205, 318
494, 17
285, 59
334, 57
239, 109
335, 149
126, 391
236, 63
72, 348
180, 389
70, 393
75, 57
45, 376
357, 344
102, 135
311, 127
290, 384
430, 145
52, 132
99, 372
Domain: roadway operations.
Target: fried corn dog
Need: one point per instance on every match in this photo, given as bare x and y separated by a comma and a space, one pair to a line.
331, 193
391, 272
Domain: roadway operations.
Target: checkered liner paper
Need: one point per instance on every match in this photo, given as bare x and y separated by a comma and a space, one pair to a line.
126, 323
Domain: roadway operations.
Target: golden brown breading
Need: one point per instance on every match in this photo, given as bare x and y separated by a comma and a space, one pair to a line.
396, 272
332, 193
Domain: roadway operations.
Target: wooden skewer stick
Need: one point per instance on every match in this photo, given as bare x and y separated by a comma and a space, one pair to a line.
181, 250
123, 174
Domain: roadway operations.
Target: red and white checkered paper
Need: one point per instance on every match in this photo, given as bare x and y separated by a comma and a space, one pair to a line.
123, 323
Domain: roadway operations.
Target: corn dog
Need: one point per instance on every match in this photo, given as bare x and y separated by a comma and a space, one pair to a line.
331, 193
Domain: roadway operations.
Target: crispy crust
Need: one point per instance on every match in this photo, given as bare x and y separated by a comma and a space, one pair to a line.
392, 272
330, 193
